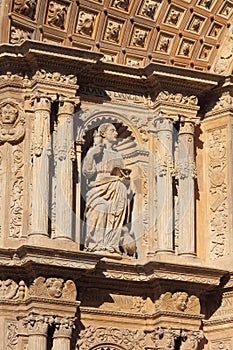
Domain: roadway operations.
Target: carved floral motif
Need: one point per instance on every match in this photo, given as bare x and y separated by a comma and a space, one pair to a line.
16, 197
178, 302
130, 339
12, 336
19, 35
218, 213
57, 13
55, 288
25, 8
191, 339
86, 21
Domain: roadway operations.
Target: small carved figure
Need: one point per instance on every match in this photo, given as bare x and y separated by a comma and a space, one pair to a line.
57, 15
107, 200
196, 24
206, 3
11, 124
113, 31
18, 35
128, 242
85, 23
139, 38
149, 8
26, 7
122, 4
173, 17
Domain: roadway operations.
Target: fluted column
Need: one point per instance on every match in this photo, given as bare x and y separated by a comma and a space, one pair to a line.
40, 171
186, 176
64, 170
164, 129
37, 327
79, 239
63, 333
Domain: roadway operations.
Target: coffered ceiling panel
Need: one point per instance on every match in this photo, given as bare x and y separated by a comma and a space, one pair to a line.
187, 33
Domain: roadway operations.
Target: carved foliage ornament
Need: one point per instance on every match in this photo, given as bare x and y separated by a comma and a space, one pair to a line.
149, 8
55, 288
130, 339
25, 8
11, 122
178, 302
218, 213
12, 336
86, 21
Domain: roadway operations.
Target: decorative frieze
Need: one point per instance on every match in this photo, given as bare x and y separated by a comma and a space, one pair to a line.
177, 98
54, 77
130, 339
178, 302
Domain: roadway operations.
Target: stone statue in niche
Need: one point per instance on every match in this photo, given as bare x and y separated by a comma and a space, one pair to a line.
108, 197
11, 124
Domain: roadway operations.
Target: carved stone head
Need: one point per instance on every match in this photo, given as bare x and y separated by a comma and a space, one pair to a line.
55, 287
180, 300
9, 114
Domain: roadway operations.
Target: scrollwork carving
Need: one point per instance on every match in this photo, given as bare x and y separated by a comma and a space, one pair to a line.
55, 288
55, 77
130, 339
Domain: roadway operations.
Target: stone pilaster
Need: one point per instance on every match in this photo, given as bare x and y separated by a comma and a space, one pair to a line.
62, 333
64, 170
40, 170
164, 158
78, 237
186, 175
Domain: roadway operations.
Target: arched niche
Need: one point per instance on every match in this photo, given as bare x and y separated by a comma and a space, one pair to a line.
128, 145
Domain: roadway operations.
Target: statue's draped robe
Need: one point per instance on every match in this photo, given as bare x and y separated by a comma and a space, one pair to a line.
106, 201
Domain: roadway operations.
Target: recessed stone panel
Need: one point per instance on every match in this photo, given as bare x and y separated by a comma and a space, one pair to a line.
113, 30
165, 42
226, 9
149, 8
121, 4
174, 16
186, 48
57, 14
86, 22
139, 37
134, 61
196, 23
25, 8
205, 52
215, 30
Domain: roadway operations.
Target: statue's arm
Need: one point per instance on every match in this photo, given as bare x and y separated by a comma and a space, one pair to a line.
89, 164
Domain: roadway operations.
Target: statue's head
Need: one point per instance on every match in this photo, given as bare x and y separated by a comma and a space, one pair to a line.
180, 300
8, 114
107, 131
55, 287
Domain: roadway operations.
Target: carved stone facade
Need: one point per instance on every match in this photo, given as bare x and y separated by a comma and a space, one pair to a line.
116, 175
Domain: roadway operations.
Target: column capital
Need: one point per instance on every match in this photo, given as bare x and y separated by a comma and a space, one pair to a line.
36, 324
42, 102
64, 327
67, 105
164, 338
